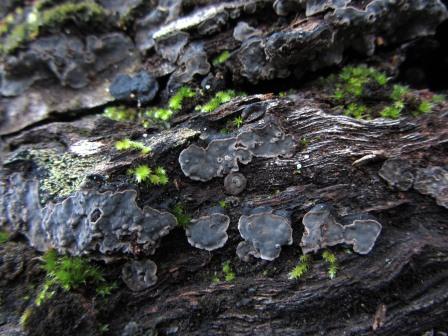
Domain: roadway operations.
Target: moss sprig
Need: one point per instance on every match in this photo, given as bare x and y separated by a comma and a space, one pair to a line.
301, 268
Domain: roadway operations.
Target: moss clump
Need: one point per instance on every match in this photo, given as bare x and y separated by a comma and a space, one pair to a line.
159, 114
176, 101
301, 268
63, 174
331, 260
68, 273
355, 111
357, 90
393, 111
183, 219
227, 272
221, 58
120, 113
220, 98
127, 144
424, 107
4, 237
82, 13
144, 173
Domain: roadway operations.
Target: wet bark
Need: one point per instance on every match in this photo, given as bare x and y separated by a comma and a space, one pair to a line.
400, 288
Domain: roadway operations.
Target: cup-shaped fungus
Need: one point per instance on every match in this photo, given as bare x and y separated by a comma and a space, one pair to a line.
139, 275
208, 232
266, 232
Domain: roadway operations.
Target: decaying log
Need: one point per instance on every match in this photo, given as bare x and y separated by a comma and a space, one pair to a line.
295, 150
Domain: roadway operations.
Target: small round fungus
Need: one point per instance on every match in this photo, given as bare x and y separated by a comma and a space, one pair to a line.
139, 275
208, 232
235, 183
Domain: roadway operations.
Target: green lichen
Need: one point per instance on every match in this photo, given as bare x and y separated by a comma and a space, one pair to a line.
221, 58
64, 173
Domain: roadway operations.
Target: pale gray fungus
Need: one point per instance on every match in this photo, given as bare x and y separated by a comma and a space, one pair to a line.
139, 275
235, 183
397, 174
141, 87
433, 181
171, 46
266, 232
314, 7
219, 158
322, 230
331, 28
86, 223
194, 61
246, 250
266, 142
222, 156
208, 232
286, 7
243, 31
70, 59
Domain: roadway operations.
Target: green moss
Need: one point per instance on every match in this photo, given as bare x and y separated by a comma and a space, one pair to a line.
221, 58
120, 113
438, 98
127, 144
159, 114
183, 219
301, 268
220, 98
63, 173
223, 204
355, 111
330, 258
238, 121
144, 173
352, 81
68, 273
106, 289
25, 317
4, 237
176, 101
399, 92
424, 107
229, 274
393, 111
